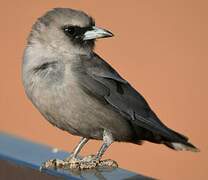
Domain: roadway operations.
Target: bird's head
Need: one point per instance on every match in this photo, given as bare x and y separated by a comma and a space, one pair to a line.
66, 30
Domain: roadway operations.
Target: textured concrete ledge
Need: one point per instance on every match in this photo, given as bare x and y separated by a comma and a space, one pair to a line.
20, 160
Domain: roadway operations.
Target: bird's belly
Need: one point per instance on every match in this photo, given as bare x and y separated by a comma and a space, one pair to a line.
72, 110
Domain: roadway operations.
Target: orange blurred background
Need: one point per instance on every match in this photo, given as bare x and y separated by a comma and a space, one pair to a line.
161, 47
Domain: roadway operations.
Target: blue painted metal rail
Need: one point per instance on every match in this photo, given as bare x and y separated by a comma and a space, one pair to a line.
21, 159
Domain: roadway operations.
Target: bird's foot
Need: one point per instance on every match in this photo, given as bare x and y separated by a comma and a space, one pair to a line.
88, 162
108, 163
73, 163
92, 161
53, 164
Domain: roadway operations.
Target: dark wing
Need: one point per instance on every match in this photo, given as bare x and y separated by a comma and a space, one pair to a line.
102, 81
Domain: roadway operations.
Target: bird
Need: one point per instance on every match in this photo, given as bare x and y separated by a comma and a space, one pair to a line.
79, 92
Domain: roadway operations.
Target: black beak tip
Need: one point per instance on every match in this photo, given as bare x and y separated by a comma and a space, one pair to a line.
110, 34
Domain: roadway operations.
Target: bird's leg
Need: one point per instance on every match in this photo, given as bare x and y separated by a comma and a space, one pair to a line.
107, 141
96, 159
77, 149
72, 162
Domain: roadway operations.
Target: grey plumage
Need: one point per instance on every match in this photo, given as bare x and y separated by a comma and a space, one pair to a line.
77, 91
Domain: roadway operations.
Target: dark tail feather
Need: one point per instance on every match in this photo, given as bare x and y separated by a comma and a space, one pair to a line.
182, 146
181, 136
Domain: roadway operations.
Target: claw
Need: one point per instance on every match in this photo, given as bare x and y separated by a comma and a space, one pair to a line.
108, 163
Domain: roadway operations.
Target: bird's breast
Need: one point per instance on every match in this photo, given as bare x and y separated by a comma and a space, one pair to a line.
68, 107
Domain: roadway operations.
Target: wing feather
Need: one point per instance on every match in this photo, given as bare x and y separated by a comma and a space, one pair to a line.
101, 80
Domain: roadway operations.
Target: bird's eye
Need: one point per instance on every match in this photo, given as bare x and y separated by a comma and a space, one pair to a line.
69, 30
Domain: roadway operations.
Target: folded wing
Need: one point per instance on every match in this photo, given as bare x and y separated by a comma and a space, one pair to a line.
103, 82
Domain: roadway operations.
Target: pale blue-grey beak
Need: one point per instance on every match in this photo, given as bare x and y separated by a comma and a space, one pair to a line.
96, 33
